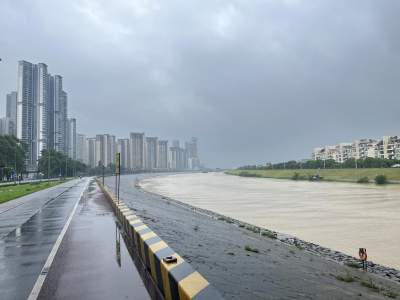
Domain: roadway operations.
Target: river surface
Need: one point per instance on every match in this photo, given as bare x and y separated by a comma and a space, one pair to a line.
341, 216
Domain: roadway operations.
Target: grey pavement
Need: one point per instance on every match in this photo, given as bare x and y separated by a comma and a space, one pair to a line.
87, 265
29, 228
217, 250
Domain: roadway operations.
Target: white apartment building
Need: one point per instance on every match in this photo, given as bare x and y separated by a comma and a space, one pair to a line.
71, 138
81, 148
91, 158
162, 162
387, 148
124, 149
137, 150
105, 149
151, 153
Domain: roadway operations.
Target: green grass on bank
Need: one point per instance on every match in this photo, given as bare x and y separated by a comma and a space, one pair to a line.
11, 192
347, 175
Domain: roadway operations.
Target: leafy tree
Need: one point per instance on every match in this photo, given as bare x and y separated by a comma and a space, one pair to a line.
55, 164
12, 156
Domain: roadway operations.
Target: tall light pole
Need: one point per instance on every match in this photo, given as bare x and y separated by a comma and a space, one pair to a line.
48, 164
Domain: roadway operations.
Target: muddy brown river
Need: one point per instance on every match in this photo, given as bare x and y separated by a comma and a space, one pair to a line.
341, 216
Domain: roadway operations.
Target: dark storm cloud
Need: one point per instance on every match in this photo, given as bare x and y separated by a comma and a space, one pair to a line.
256, 81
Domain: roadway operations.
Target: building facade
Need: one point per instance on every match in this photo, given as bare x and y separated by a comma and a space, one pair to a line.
11, 110
386, 148
71, 138
41, 111
137, 145
124, 150
151, 154
81, 148
162, 162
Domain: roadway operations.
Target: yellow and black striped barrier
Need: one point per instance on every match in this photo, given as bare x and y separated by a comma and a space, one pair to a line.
175, 278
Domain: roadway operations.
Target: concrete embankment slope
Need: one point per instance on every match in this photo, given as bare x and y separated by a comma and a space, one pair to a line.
177, 280
217, 249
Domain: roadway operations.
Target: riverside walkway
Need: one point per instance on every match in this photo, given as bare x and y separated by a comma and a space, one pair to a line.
61, 243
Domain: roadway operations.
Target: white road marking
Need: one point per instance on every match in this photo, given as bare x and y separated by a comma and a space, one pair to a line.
43, 274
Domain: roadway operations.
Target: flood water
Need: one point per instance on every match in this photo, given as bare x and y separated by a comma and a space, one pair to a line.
341, 216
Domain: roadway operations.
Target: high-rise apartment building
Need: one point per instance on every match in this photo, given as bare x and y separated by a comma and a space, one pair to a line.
71, 138
124, 149
41, 111
26, 98
151, 153
7, 126
137, 145
81, 148
162, 162
192, 154
105, 149
11, 110
92, 158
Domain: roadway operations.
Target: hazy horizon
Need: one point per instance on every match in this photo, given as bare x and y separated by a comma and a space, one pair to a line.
255, 81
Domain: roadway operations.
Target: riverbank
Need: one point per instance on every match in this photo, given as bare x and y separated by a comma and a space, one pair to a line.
244, 264
11, 192
338, 175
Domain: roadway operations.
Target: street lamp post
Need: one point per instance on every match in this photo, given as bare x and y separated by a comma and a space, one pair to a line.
48, 164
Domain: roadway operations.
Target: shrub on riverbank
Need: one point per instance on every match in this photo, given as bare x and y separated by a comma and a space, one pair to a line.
346, 175
380, 179
248, 174
250, 249
297, 176
364, 179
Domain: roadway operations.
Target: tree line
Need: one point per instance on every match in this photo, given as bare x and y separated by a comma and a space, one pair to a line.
368, 162
51, 163
12, 157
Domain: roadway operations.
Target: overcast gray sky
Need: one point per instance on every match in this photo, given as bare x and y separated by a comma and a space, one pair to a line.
255, 81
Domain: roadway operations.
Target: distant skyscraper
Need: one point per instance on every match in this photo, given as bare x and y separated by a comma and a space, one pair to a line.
41, 111
124, 149
193, 161
81, 148
151, 153
26, 94
71, 138
92, 159
7, 126
11, 110
162, 155
136, 142
105, 149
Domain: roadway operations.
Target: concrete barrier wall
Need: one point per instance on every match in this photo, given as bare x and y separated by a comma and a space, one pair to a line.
176, 281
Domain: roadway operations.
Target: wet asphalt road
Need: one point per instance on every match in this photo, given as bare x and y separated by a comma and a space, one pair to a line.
16, 212
29, 227
87, 265
216, 249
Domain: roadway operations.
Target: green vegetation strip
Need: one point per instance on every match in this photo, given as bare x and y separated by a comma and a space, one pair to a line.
347, 175
11, 192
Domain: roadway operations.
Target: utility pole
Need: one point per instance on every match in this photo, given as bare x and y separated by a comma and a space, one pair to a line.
48, 164
117, 174
102, 168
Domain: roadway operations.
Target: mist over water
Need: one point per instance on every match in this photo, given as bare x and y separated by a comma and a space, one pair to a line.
341, 216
